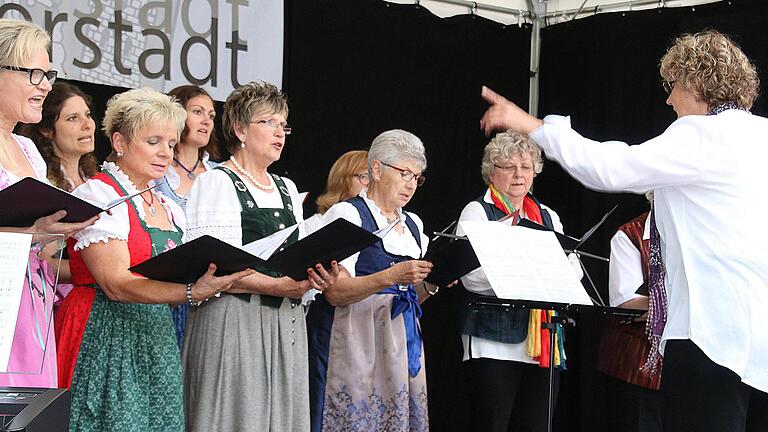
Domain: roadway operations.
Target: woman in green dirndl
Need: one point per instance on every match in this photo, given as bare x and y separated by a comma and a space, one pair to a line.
117, 346
245, 353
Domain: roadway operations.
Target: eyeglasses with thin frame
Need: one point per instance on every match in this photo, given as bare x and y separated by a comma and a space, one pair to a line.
35, 75
510, 168
668, 86
274, 124
362, 178
408, 175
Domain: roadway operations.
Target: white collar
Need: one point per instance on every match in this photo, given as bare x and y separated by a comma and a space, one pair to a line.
373, 206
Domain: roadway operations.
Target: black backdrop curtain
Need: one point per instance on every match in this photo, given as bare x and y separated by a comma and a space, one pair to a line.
354, 68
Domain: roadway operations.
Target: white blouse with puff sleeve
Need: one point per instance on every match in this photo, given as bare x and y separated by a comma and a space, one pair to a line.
117, 225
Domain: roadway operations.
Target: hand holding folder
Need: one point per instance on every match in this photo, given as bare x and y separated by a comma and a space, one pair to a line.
28, 200
187, 262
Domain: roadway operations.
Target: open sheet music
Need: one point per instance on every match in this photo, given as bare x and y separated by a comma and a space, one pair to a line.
14, 253
524, 264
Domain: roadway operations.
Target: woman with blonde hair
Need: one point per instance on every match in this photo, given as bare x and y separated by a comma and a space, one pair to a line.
708, 271
25, 82
347, 177
117, 345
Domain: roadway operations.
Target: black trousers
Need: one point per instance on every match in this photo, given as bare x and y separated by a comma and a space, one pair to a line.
700, 395
507, 396
632, 408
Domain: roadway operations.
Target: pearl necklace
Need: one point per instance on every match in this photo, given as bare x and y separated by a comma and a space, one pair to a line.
264, 187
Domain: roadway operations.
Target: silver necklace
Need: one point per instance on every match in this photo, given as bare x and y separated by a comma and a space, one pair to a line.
267, 187
150, 204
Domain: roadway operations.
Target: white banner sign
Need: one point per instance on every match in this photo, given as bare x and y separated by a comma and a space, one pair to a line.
216, 44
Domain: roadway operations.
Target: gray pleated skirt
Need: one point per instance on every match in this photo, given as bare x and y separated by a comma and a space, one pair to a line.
245, 367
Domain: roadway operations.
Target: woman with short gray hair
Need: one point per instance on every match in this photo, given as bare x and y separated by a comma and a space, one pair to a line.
365, 342
505, 371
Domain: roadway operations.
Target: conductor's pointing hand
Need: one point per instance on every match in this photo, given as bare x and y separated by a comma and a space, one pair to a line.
505, 115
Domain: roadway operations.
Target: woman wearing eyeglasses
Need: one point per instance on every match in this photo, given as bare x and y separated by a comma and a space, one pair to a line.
708, 278
366, 361
25, 81
506, 373
245, 353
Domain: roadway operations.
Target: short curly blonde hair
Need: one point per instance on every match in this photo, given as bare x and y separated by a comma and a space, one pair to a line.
713, 67
505, 145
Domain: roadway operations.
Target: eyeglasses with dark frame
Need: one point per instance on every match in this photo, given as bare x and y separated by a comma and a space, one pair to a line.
362, 178
35, 75
668, 86
408, 175
274, 124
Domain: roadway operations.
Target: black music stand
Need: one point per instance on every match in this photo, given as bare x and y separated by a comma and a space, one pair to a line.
561, 320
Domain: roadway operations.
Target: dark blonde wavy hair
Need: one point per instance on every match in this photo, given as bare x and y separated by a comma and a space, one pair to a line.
713, 67
43, 134
340, 178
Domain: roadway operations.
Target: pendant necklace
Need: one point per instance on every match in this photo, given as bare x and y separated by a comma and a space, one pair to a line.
150, 203
190, 172
264, 187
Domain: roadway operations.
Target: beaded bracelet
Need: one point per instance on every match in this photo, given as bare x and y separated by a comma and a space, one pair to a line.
190, 300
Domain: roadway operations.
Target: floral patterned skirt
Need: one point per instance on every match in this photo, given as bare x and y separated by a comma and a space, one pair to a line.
368, 387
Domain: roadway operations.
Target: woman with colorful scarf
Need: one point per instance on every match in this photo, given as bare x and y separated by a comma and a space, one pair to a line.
708, 268
506, 352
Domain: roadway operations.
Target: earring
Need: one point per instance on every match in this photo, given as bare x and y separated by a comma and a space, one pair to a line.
119, 154
242, 144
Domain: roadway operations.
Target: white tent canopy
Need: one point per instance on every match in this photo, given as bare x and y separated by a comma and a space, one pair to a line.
547, 12
540, 13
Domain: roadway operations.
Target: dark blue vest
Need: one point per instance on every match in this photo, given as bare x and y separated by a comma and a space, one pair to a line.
375, 259
496, 324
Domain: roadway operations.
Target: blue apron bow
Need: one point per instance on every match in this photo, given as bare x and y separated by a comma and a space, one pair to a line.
406, 302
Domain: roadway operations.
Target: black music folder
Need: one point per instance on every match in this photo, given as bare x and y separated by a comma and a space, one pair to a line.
452, 258
187, 262
29, 199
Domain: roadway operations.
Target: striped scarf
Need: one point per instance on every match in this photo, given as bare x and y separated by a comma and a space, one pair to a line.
537, 342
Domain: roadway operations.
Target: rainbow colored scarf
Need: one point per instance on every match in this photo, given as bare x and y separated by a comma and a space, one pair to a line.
537, 342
